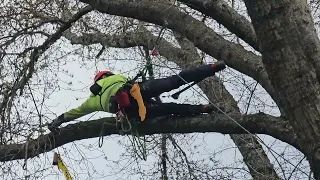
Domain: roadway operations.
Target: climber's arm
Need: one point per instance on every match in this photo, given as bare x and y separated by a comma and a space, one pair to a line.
89, 106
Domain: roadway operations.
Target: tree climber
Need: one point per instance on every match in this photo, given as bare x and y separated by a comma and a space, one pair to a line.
116, 93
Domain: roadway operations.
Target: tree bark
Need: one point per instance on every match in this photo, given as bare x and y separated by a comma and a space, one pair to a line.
252, 152
185, 59
202, 36
290, 49
228, 17
258, 123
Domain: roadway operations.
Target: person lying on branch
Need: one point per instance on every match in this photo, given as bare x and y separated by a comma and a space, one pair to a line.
116, 93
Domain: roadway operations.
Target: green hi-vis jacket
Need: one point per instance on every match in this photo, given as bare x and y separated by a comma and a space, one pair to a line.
110, 86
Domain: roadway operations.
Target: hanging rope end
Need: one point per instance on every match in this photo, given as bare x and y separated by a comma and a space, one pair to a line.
55, 159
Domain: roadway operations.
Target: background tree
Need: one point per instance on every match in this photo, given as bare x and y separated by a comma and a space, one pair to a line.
276, 55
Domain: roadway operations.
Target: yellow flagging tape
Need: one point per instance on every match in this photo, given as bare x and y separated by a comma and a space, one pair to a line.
58, 161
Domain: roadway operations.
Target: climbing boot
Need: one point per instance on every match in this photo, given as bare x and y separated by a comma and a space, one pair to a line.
209, 108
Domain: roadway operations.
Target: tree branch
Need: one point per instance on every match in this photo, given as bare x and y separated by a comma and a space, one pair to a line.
258, 162
227, 16
28, 69
258, 124
253, 154
203, 37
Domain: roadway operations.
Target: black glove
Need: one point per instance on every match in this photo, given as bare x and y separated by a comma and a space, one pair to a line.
53, 126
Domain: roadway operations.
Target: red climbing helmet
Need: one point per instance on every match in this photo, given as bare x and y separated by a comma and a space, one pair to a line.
100, 74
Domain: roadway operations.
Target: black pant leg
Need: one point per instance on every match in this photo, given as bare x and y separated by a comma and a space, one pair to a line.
164, 109
155, 87
167, 109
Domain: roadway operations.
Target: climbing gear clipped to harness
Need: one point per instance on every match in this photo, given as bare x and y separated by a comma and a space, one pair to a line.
58, 161
122, 119
142, 73
122, 98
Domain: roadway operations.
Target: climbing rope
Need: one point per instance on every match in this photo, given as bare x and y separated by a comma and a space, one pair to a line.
156, 54
139, 145
229, 117
101, 136
123, 118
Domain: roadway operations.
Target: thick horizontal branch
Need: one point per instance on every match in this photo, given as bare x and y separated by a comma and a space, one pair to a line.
257, 124
227, 16
197, 32
139, 37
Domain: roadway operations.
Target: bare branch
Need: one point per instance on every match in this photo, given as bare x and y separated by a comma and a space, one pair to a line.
227, 16
253, 154
27, 71
258, 162
258, 124
203, 37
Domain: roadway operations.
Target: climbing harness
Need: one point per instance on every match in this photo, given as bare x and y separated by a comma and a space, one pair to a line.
58, 161
138, 141
100, 94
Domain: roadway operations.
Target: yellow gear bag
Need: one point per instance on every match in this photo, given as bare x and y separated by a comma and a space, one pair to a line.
58, 161
136, 94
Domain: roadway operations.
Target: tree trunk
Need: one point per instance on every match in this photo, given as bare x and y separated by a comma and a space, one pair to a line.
252, 152
290, 49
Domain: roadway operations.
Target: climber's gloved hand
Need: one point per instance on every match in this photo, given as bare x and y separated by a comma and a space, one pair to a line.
53, 126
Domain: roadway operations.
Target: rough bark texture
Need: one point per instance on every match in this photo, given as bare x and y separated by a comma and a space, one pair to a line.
253, 154
282, 31
185, 59
258, 123
257, 161
228, 17
202, 37
291, 49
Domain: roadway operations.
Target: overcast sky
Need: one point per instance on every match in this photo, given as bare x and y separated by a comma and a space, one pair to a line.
86, 160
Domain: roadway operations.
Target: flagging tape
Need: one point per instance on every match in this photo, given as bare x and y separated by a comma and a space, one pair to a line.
58, 161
